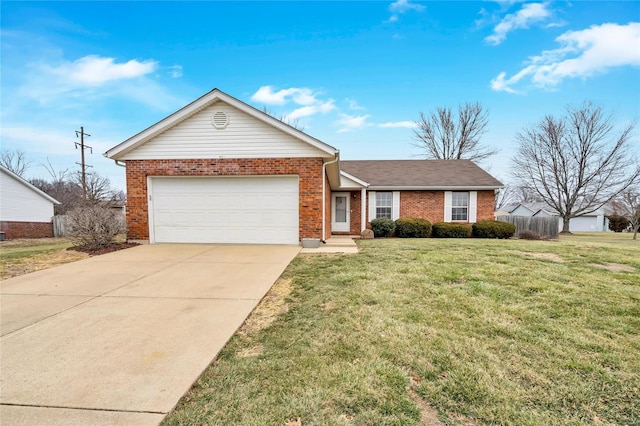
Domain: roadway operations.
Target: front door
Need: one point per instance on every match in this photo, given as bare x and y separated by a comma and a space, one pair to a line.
340, 212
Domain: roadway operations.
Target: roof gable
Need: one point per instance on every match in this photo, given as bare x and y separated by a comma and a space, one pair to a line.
166, 139
9, 174
421, 174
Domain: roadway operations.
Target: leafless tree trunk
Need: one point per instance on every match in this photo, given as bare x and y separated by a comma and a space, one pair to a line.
15, 161
577, 163
445, 137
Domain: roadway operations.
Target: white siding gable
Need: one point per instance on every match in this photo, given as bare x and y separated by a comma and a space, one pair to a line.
243, 137
20, 203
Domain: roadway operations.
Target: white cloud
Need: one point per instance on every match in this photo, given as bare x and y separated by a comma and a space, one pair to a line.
402, 6
528, 14
352, 122
175, 71
353, 104
301, 96
310, 110
399, 7
583, 54
94, 70
398, 124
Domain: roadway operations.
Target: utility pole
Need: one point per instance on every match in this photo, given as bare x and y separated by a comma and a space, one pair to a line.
80, 133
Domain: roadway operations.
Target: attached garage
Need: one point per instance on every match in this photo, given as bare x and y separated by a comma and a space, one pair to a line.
238, 209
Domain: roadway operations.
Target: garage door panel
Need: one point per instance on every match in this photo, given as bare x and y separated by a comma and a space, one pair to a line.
225, 210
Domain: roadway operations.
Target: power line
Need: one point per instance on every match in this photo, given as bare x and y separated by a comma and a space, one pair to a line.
80, 133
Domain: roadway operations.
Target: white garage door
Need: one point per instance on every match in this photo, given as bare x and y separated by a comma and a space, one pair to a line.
256, 210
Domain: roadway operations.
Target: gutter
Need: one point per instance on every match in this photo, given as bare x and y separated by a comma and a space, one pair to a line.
324, 183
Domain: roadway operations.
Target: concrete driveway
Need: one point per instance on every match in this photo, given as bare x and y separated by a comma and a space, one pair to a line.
119, 338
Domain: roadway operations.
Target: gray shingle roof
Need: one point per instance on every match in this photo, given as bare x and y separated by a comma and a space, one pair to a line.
420, 173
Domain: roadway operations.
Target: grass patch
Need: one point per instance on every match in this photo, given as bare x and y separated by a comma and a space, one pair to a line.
21, 256
481, 331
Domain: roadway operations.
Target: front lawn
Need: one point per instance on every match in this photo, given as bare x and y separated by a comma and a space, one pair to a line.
24, 255
481, 331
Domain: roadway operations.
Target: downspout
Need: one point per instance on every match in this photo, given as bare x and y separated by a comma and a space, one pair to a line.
324, 179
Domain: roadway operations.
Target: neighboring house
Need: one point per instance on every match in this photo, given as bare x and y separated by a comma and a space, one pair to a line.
25, 211
591, 222
219, 170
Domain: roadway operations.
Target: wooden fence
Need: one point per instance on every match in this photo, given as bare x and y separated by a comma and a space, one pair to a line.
547, 226
60, 225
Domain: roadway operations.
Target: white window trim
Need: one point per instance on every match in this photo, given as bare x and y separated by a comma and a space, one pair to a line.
472, 211
395, 207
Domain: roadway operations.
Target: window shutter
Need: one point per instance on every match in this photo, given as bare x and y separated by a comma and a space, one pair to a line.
372, 205
473, 206
395, 211
447, 206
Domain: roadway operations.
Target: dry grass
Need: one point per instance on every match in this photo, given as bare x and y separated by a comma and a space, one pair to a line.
22, 256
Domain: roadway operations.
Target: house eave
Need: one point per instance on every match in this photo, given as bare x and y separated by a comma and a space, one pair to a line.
211, 98
432, 188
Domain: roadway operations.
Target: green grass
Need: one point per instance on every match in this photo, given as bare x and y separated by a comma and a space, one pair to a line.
16, 250
484, 331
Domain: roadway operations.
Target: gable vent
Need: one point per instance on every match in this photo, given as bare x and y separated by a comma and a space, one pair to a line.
220, 120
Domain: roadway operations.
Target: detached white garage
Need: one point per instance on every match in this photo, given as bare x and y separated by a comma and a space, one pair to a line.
237, 209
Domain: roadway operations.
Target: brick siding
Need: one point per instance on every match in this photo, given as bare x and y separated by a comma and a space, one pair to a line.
309, 171
26, 229
425, 205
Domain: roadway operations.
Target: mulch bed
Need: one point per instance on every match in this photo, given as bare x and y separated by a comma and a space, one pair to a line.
104, 249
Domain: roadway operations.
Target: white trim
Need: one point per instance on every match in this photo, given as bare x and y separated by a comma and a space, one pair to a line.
395, 206
357, 183
152, 236
199, 104
473, 207
363, 209
28, 185
433, 188
447, 206
342, 226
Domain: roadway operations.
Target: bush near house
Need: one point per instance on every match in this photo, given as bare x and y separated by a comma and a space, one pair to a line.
450, 230
410, 227
618, 223
493, 229
94, 227
383, 227
530, 235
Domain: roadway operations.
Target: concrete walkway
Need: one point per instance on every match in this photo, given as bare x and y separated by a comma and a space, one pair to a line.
119, 338
336, 244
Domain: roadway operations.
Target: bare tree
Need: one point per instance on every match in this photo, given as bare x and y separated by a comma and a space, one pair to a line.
445, 137
98, 187
576, 163
295, 123
15, 161
627, 205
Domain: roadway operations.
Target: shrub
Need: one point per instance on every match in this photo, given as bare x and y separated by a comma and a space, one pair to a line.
618, 223
382, 227
409, 227
530, 235
94, 227
450, 230
493, 229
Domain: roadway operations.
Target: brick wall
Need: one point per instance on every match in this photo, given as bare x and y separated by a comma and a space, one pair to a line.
422, 204
486, 205
309, 171
27, 229
430, 205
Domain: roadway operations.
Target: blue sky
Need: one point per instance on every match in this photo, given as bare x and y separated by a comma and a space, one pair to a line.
356, 75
